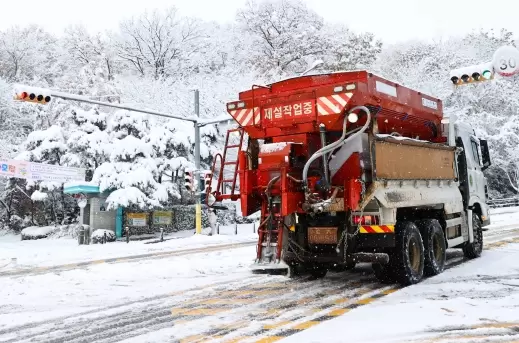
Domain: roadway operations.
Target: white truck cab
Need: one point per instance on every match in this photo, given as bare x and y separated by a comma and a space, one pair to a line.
472, 159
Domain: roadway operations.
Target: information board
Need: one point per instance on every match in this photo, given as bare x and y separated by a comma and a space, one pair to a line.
40, 171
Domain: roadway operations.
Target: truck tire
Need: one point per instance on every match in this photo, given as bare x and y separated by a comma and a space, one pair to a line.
474, 249
435, 247
317, 271
408, 256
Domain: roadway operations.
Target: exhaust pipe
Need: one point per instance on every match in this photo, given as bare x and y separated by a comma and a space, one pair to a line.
322, 131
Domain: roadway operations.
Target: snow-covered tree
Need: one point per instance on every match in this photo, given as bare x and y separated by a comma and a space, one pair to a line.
131, 172
27, 54
85, 49
348, 50
88, 140
157, 43
49, 147
285, 34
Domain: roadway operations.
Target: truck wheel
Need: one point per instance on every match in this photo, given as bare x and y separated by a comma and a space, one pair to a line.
474, 249
408, 256
435, 247
317, 271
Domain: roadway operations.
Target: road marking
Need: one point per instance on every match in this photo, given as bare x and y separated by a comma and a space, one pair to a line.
276, 325
338, 312
305, 325
269, 339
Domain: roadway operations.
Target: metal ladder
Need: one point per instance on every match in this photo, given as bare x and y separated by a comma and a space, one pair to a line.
228, 171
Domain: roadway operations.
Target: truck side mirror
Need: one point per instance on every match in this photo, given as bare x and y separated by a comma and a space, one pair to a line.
485, 154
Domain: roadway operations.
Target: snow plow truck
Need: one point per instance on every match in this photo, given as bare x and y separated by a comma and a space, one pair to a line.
351, 168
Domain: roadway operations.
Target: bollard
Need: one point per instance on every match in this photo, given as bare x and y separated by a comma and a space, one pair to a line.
217, 229
162, 234
88, 235
254, 227
127, 235
235, 228
81, 236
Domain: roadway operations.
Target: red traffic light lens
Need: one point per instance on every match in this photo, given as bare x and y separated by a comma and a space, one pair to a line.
24, 95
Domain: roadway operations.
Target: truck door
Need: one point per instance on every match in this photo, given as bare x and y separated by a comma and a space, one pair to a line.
463, 169
477, 180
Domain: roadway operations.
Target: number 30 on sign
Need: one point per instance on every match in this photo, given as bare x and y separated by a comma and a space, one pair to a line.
506, 61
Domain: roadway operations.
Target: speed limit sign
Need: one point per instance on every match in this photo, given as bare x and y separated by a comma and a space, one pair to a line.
506, 61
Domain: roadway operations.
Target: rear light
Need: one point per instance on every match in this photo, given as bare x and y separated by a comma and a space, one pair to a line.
241, 104
348, 87
366, 220
231, 106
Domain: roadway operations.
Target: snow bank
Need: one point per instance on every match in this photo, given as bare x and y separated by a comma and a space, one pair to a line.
48, 252
98, 236
61, 231
37, 232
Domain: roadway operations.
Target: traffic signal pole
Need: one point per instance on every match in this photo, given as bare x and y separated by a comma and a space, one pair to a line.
198, 194
23, 95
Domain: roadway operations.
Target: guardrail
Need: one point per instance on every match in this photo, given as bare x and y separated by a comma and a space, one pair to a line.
508, 202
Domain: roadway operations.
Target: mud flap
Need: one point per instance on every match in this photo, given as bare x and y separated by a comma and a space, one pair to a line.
471, 228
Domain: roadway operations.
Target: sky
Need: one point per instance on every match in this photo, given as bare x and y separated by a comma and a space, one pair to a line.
390, 20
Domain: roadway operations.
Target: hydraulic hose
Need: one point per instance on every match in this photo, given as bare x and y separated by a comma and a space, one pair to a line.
340, 141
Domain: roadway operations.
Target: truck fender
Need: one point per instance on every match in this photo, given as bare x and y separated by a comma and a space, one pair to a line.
474, 202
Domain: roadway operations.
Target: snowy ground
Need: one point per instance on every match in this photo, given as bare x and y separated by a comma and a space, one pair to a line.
212, 296
47, 252
477, 301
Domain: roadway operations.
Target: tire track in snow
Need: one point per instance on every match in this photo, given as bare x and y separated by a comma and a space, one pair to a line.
157, 315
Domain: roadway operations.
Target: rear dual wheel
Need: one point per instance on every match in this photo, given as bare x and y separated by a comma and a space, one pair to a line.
435, 247
406, 262
420, 251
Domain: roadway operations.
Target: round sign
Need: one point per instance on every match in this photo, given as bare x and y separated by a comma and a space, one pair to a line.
82, 203
506, 61
81, 200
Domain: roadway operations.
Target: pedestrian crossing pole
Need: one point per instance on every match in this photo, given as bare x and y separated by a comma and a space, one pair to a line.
198, 193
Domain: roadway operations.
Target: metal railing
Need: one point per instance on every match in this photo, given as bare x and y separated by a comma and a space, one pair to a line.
508, 202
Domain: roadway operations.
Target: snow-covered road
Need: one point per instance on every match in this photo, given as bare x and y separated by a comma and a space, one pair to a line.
212, 296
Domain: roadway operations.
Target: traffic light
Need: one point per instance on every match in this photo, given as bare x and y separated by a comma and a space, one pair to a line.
188, 181
473, 74
208, 178
32, 96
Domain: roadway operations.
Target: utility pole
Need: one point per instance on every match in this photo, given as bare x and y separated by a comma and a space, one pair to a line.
198, 193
